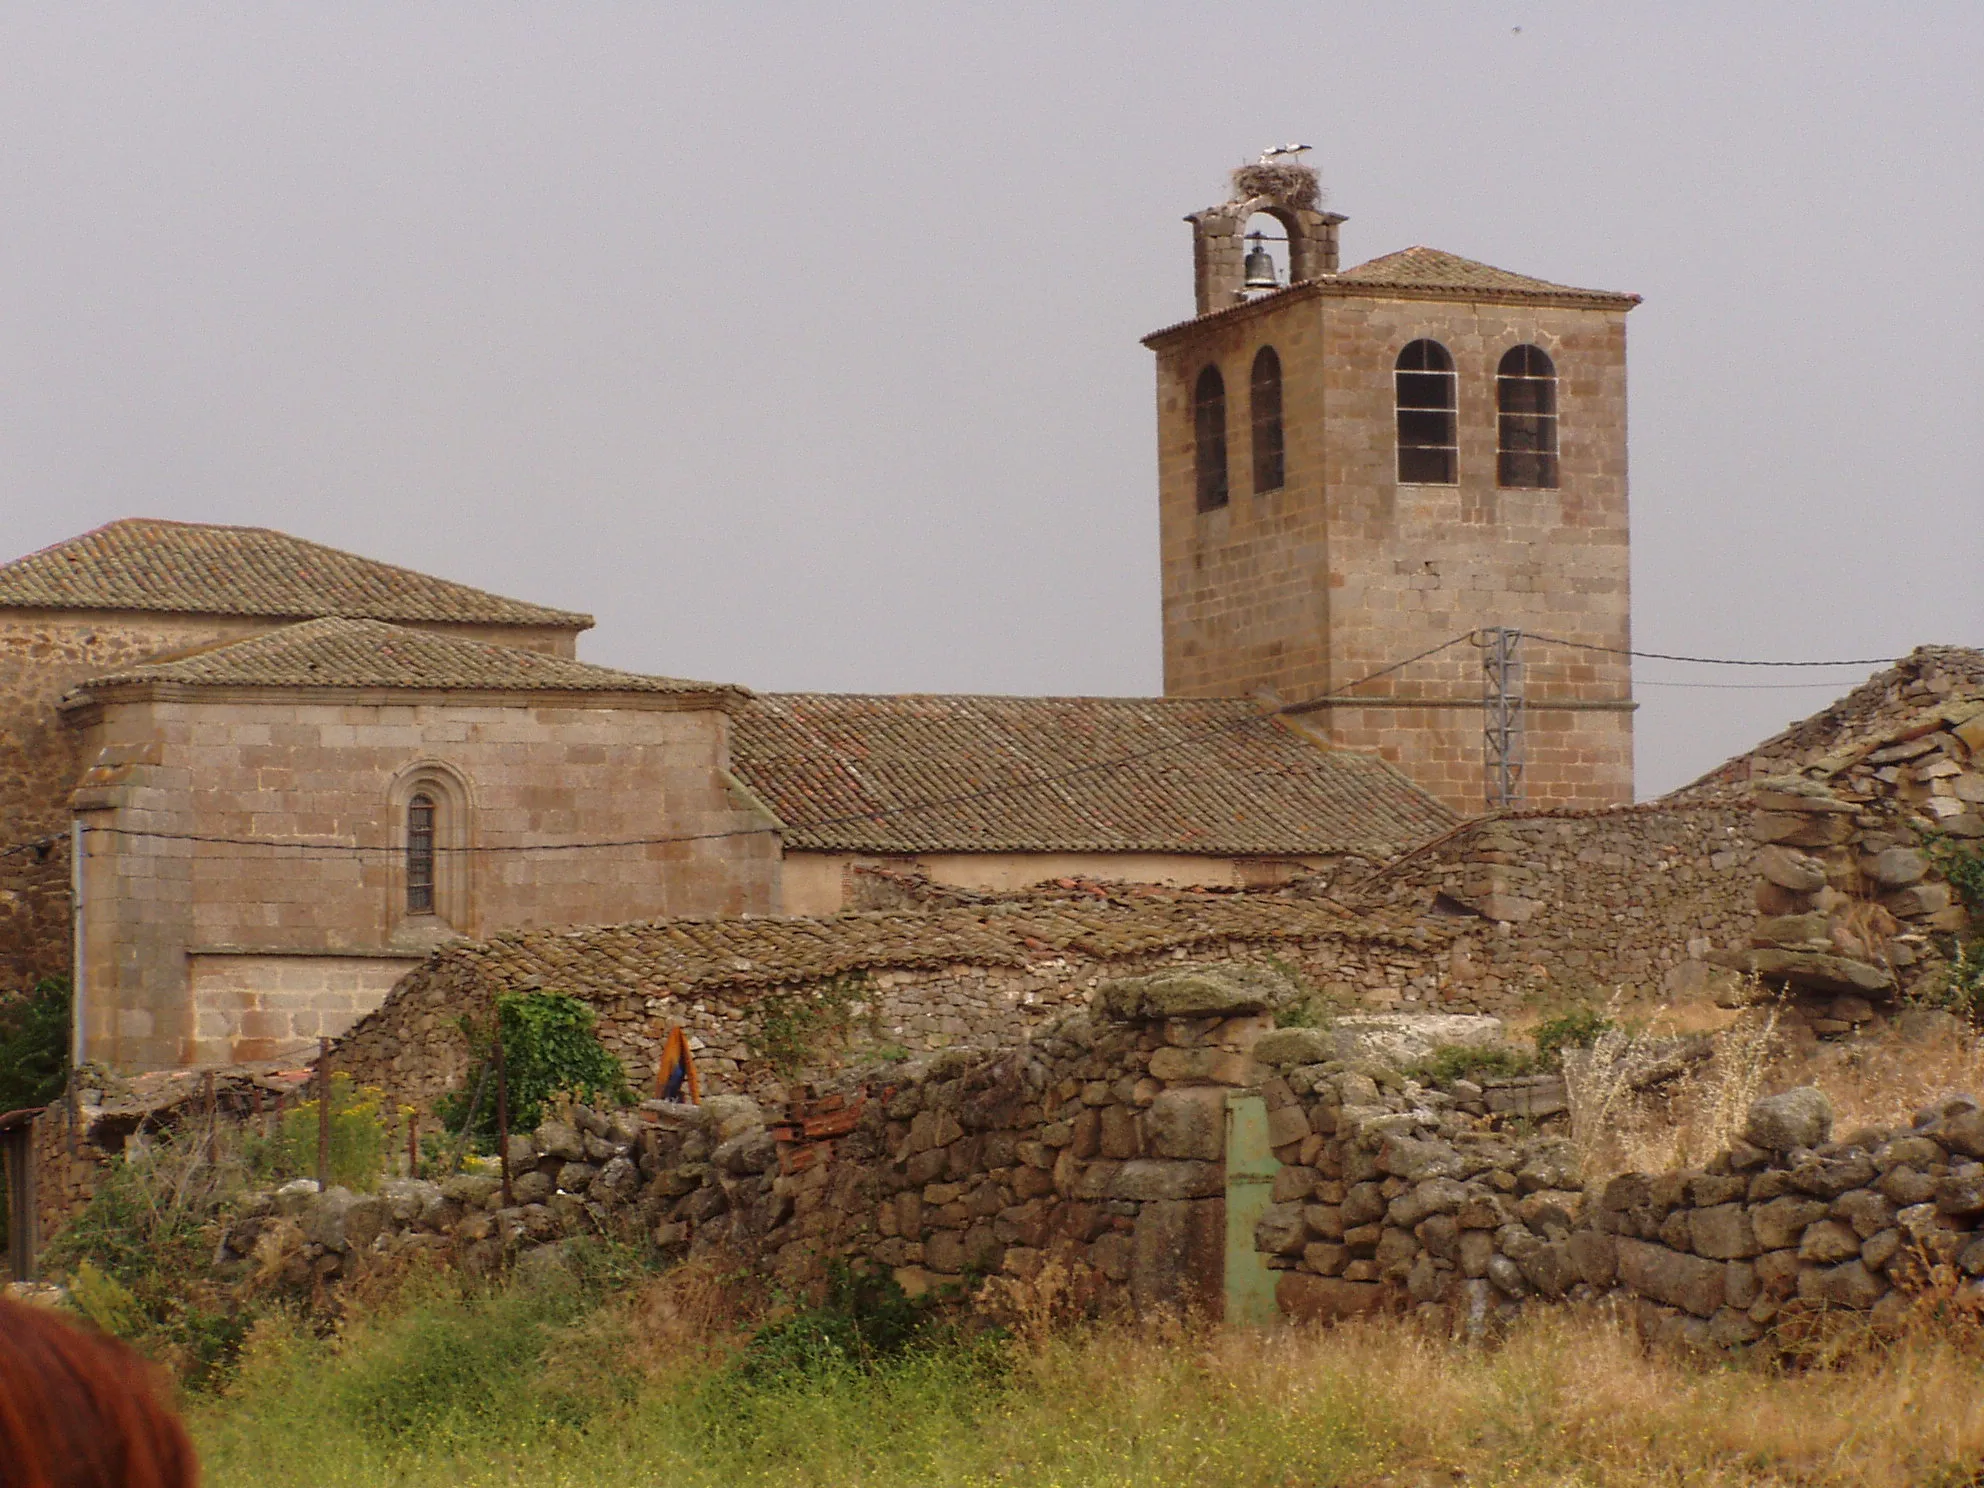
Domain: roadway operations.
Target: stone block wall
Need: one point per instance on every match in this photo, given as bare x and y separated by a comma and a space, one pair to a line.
332, 776
44, 655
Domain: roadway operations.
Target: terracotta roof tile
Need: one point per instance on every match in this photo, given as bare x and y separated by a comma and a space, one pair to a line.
369, 653
1432, 268
189, 568
1203, 776
676, 956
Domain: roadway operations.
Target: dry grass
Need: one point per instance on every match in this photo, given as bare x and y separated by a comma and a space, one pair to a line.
1637, 1106
1882, 1081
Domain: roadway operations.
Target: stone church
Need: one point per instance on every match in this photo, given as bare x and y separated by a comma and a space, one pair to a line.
248, 781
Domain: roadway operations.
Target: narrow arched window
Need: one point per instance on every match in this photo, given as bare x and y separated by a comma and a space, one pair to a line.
420, 855
1526, 419
1209, 438
1264, 404
1428, 446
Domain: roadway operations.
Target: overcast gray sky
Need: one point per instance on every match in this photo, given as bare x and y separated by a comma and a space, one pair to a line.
799, 343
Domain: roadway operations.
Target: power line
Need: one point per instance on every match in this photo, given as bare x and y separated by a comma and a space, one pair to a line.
881, 814
1737, 686
1704, 660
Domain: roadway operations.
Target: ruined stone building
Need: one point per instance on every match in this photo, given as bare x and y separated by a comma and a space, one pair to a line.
1357, 465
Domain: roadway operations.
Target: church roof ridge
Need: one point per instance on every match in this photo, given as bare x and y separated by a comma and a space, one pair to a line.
154, 565
342, 652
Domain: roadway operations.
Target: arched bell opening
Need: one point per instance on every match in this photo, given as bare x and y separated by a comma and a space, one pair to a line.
1267, 238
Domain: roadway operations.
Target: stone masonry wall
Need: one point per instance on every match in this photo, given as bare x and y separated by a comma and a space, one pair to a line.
1525, 912
334, 775
35, 938
1585, 902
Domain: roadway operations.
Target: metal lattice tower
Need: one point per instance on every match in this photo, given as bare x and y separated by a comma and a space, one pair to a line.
1504, 737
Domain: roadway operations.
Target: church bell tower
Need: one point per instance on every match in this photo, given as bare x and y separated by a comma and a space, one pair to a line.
1358, 465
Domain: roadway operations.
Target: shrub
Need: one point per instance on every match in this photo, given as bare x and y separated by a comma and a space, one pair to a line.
137, 1256
548, 1049
795, 1028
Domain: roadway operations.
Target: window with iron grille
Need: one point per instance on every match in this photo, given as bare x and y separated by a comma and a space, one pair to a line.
1526, 419
1209, 438
1428, 442
420, 855
1264, 406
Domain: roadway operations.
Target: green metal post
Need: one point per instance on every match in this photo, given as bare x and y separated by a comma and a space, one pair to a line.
1250, 1170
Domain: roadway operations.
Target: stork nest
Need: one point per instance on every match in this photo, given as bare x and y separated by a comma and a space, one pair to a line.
1290, 185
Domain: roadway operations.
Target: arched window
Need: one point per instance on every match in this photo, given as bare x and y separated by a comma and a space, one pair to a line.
420, 855
1526, 422
1264, 404
1428, 447
1209, 438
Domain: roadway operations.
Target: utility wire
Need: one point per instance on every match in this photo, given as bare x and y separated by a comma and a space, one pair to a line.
1736, 686
1702, 660
880, 814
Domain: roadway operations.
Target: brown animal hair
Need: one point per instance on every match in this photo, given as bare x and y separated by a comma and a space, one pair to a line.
80, 1410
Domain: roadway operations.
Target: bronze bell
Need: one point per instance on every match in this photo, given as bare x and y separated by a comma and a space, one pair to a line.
1260, 264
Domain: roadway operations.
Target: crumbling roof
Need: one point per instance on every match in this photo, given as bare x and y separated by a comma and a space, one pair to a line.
371, 654
1069, 774
682, 956
1432, 268
191, 568
1931, 688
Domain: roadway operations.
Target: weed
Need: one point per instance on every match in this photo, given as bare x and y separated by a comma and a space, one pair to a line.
1579, 1028
795, 1028
865, 1320
358, 1138
1638, 1103
1451, 1062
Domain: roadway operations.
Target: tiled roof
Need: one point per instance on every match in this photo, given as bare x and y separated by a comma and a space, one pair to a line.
369, 653
1431, 268
692, 955
1202, 776
189, 568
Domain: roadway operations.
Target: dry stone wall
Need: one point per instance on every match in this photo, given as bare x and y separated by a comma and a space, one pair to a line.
1852, 906
1392, 1194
